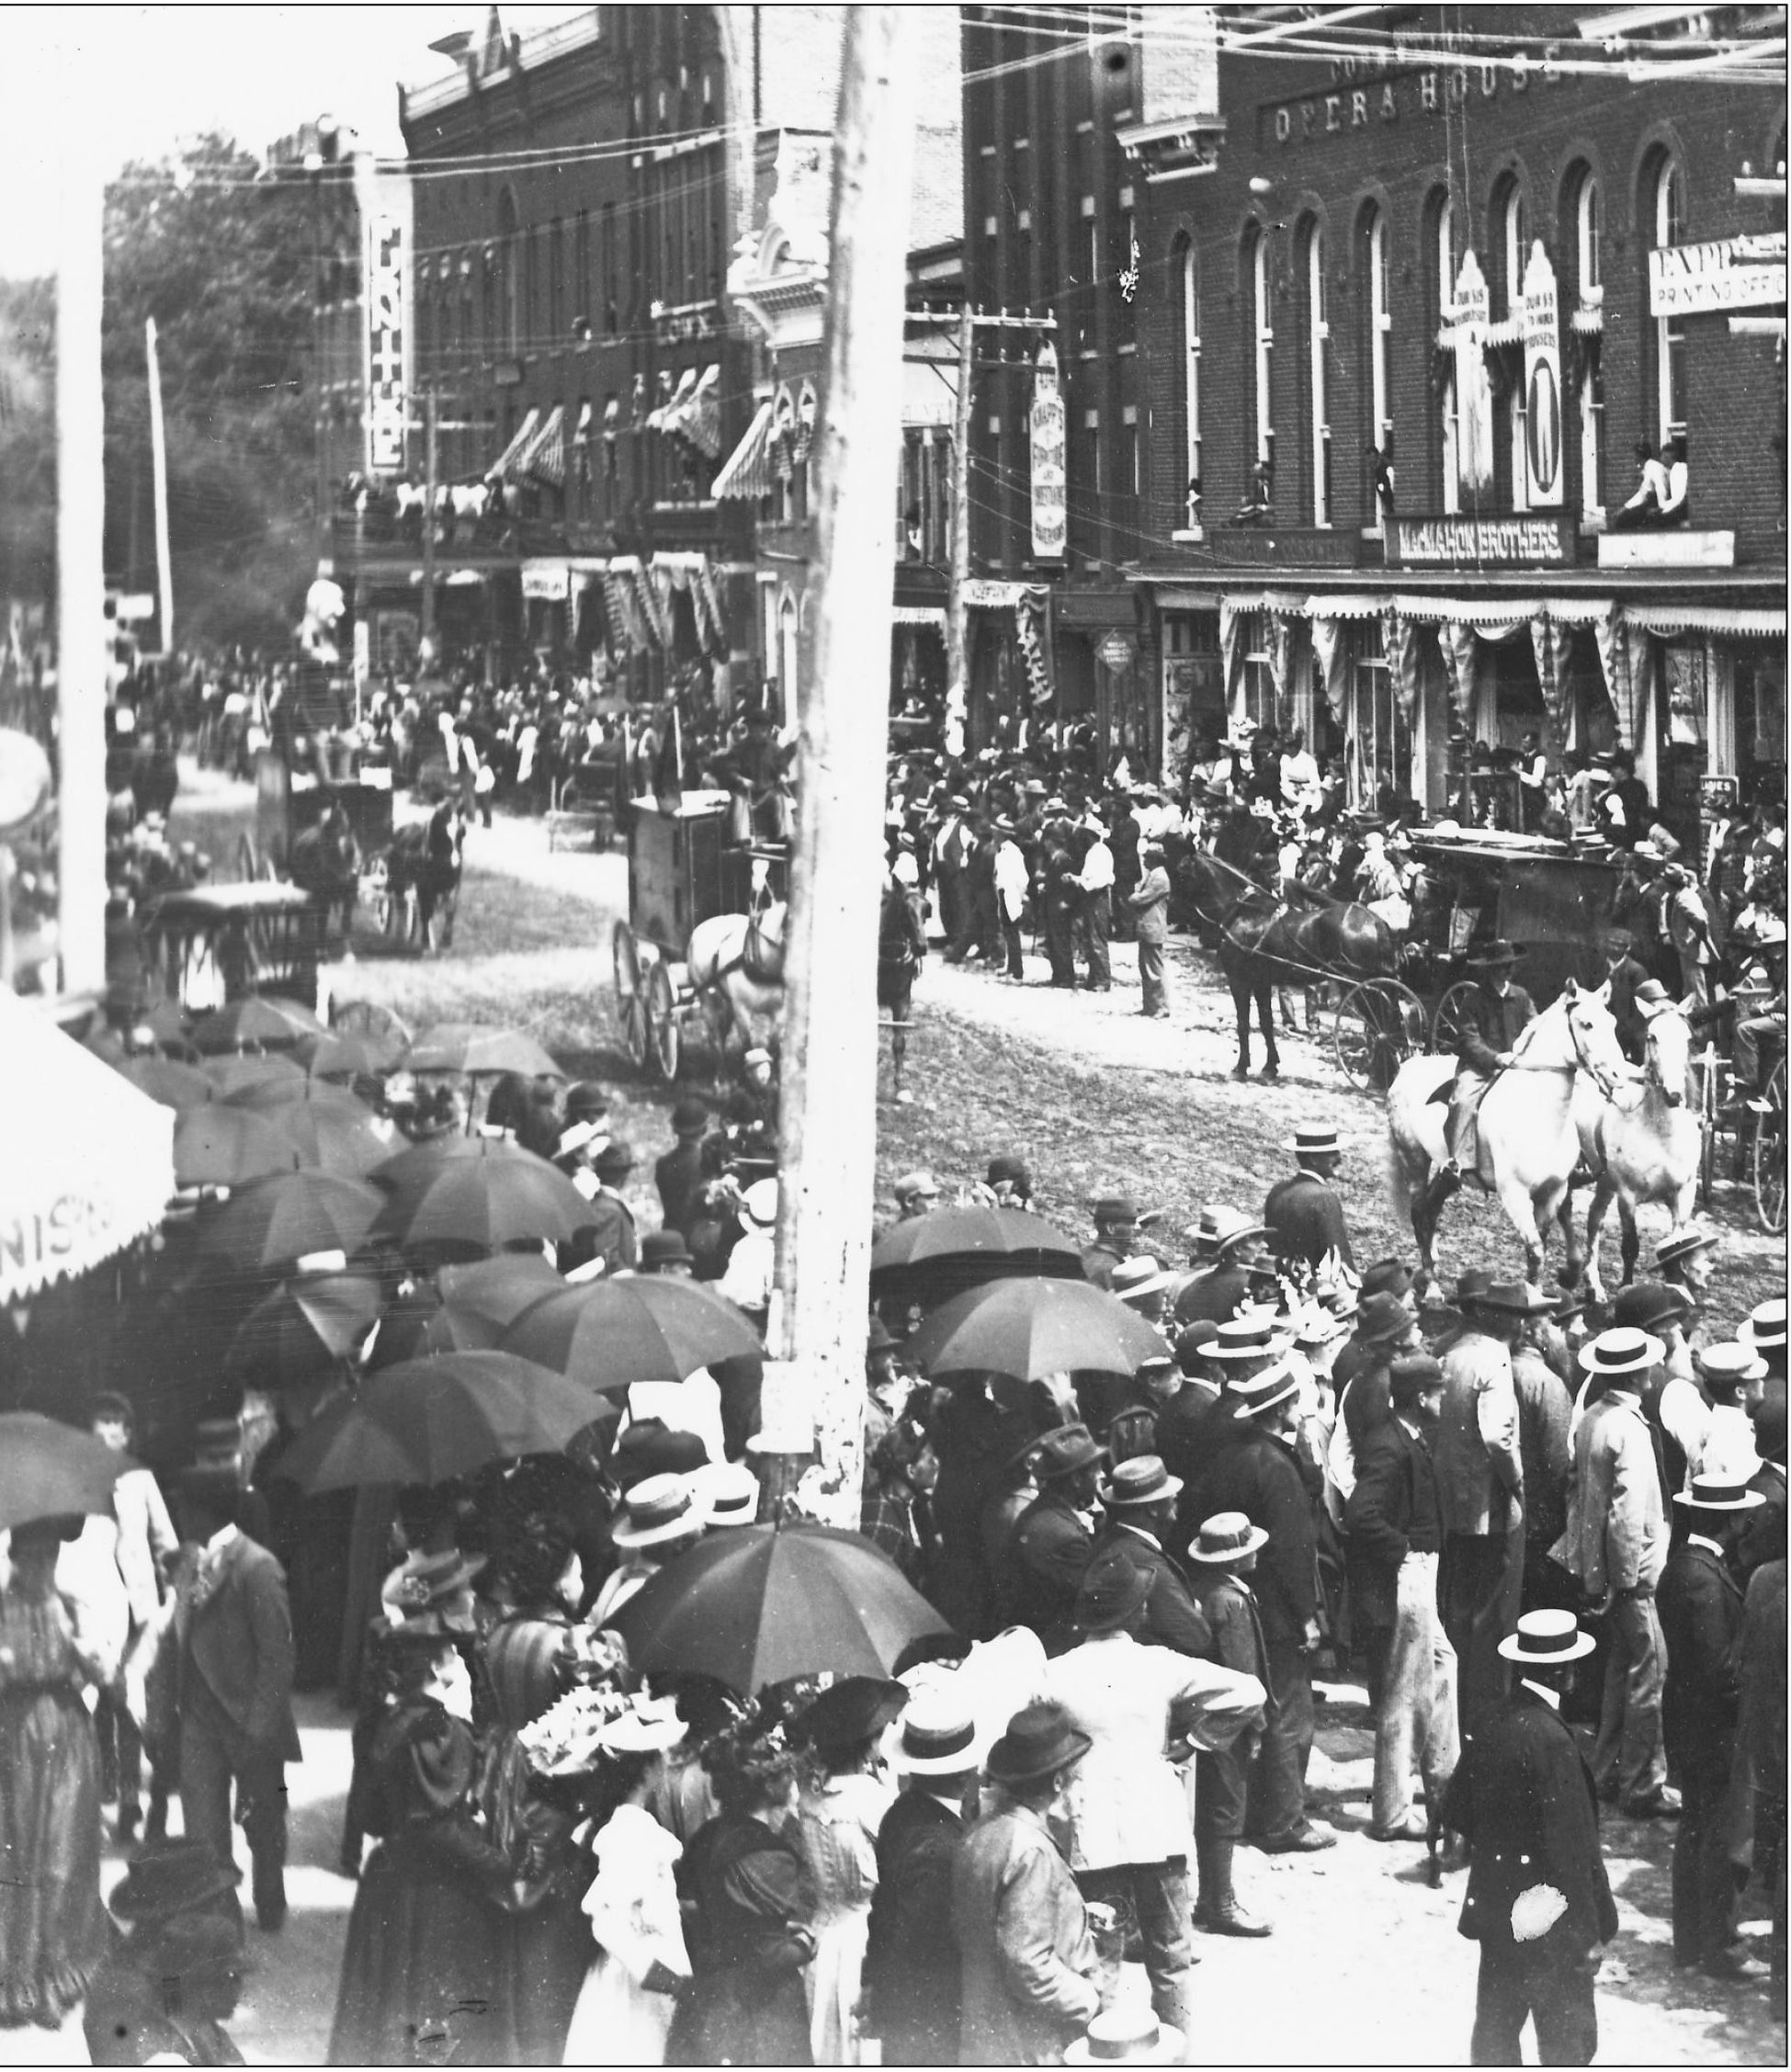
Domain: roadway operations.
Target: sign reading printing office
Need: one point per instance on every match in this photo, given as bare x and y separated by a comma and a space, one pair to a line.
386, 404
1499, 542
1050, 525
1730, 273
1542, 381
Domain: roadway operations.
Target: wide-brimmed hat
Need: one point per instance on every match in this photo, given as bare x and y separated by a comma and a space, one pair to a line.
1237, 1230
665, 1248
1546, 1639
937, 1735
1115, 1208
1622, 1350
1063, 1451
662, 1508
1128, 2036
1728, 1366
851, 1712
427, 1583
729, 1493
1113, 1591
1765, 1329
879, 1338
1714, 1492
1134, 1280
171, 1877
1682, 1244
1039, 1740
649, 1726
1312, 1142
1645, 1306
1497, 956
576, 1137
1227, 1535
1508, 1298
1381, 1318
1215, 1217
1257, 1393
759, 1204
1142, 1479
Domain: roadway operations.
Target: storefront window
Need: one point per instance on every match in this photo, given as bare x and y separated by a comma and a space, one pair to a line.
1760, 723
1670, 331
1380, 741
1258, 677
1192, 688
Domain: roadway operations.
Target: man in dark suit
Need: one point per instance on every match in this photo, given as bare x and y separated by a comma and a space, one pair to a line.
1138, 1500
234, 1669
1538, 1900
1116, 1239
611, 1236
1053, 1538
1239, 1269
911, 1960
1623, 974
1498, 1012
1701, 1619
1305, 1213
678, 1173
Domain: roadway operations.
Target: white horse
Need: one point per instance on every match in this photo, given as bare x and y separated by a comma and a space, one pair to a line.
1528, 1145
736, 966
1642, 1144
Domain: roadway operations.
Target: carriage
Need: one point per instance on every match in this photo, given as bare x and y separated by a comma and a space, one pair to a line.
683, 869
217, 943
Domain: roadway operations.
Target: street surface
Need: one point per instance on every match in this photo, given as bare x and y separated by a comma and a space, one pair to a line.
1364, 1966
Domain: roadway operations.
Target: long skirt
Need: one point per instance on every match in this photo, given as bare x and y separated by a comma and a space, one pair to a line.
833, 1982
617, 2022
52, 1924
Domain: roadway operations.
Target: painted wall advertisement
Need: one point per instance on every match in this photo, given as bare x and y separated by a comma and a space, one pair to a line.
1728, 273
1542, 381
1049, 524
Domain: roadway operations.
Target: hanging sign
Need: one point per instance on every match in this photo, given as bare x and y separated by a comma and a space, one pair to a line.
1050, 525
1542, 381
1473, 313
384, 199
1730, 273
551, 580
1116, 652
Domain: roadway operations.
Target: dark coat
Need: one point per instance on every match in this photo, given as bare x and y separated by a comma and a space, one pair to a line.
912, 1962
1190, 1427
1523, 1795
1046, 1558
1171, 1618
1215, 1295
749, 1944
610, 1235
1228, 1605
1387, 1471
1305, 1216
678, 1176
1257, 1474
1763, 1530
1701, 1614
237, 1635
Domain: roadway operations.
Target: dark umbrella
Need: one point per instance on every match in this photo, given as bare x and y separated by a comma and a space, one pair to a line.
1032, 1328
951, 1248
340, 1056
257, 1018
430, 1420
761, 1604
494, 1194
334, 1132
466, 1308
232, 1073
297, 1332
463, 1047
609, 1334
166, 1022
166, 1079
47, 1470
272, 1222
220, 1146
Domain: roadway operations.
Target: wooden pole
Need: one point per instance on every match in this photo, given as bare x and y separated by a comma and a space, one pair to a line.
158, 446
426, 638
815, 1378
957, 661
80, 572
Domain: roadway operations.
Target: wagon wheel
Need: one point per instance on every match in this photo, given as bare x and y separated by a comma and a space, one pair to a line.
248, 864
369, 1018
271, 872
1454, 1016
662, 1019
631, 1003
1379, 1025
1769, 1154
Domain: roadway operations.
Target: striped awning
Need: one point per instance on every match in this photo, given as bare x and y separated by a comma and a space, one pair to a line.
747, 475
505, 465
545, 459
582, 430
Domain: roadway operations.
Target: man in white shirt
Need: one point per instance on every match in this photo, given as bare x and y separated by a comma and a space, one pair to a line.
147, 1544
1093, 879
1011, 882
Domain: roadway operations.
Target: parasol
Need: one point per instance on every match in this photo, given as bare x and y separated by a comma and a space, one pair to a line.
47, 1470
610, 1334
229, 1073
218, 1146
467, 1309
166, 1080
289, 1216
340, 1055
333, 1131
464, 1047
952, 1249
491, 1195
1033, 1327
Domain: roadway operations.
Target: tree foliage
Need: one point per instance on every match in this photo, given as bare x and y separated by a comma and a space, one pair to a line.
28, 479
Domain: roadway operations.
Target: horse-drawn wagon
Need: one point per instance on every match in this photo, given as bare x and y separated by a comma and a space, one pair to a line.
703, 933
216, 942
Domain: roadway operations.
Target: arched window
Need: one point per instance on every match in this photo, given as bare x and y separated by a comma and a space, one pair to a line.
1509, 227
1668, 227
1582, 237
1441, 270
1378, 304
1191, 380
1318, 354
510, 263
1262, 326
788, 648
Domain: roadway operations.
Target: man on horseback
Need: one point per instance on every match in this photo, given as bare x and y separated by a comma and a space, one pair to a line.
1501, 1012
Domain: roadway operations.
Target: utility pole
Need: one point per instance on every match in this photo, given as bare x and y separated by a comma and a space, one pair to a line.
957, 661
81, 574
815, 1381
426, 638
158, 446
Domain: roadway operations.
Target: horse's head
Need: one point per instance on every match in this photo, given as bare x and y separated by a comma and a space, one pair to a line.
1667, 1055
1584, 1020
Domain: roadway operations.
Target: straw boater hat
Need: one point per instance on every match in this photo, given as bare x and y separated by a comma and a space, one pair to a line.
1263, 1392
1621, 1352
1765, 1329
1236, 1230
759, 1204
1134, 1280
662, 1509
1708, 1492
1312, 1140
729, 1493
1682, 1244
1227, 1537
1241, 1342
1127, 2035
937, 1735
1215, 1217
1728, 1366
1546, 1640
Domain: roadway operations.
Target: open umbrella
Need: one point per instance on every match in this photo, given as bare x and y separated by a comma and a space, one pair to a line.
231, 1073
272, 1222
218, 1146
464, 1047
465, 1308
307, 1324
429, 1420
491, 1196
1032, 1328
47, 1470
339, 1055
610, 1334
334, 1132
256, 1018
952, 1249
763, 1603
167, 1081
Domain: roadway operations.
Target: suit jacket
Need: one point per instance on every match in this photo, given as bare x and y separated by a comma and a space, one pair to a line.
1046, 1558
1189, 1429
233, 1633
1477, 1450
1214, 1294
1763, 1530
1523, 1795
678, 1176
610, 1236
1616, 1528
1379, 1513
1305, 1216
1701, 1620
912, 1972
1257, 1474
1027, 1958
1149, 905
1762, 1677
1228, 1605
1171, 1618
1545, 1411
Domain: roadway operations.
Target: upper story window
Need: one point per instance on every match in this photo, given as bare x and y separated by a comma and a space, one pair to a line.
1582, 233
1261, 334
1442, 282
1318, 354
510, 261
1667, 225
1588, 234
1190, 285
1380, 330
1509, 227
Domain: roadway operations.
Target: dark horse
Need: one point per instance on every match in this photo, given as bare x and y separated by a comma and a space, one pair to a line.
1292, 937
326, 862
424, 867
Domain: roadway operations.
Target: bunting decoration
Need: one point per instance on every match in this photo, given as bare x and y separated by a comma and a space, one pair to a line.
1550, 643
1456, 643
1330, 651
1398, 642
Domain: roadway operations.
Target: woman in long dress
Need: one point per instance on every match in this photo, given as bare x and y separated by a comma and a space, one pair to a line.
838, 1815
624, 2009
52, 1925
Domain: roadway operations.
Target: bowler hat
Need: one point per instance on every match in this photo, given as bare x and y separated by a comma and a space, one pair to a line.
1113, 1591
1385, 1277
1547, 1638
1227, 1535
650, 1448
585, 1101
1412, 1374
171, 1877
665, 1248
1645, 1306
1142, 1479
1497, 956
690, 1117
1040, 1740
1193, 1344
851, 1712
1127, 2035
1712, 1492
1622, 1351
1004, 1166
1062, 1452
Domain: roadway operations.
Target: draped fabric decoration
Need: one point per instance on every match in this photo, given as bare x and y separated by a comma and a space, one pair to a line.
623, 587
1459, 659
655, 588
582, 445
546, 459
1330, 653
505, 465
702, 424
707, 633
1233, 624
1398, 640
1550, 642
1029, 637
710, 590
748, 474
1614, 657
1280, 649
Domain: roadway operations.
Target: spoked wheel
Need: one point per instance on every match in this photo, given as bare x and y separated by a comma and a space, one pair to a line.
1379, 1025
630, 1003
662, 1015
248, 864
370, 1019
1455, 1015
1769, 1154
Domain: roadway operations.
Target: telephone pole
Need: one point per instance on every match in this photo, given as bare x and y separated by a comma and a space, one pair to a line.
957, 672
427, 634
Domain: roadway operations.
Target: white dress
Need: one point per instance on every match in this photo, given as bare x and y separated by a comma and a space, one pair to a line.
839, 1820
633, 1905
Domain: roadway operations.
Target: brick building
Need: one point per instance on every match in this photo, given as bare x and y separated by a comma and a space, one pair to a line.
1437, 250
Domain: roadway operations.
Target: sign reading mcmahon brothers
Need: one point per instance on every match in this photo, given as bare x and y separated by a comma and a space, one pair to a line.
1453, 543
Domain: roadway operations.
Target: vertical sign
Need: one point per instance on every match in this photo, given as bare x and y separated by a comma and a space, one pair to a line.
384, 199
1049, 517
1473, 313
1542, 381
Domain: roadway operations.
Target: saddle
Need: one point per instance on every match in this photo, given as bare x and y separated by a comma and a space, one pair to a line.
761, 954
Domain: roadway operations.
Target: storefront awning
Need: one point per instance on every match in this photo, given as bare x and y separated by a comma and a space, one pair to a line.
545, 459
1353, 606
582, 430
747, 476
1706, 619
918, 615
505, 465
1466, 611
89, 1161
